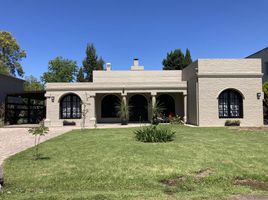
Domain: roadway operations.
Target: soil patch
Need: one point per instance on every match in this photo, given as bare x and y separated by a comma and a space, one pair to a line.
254, 184
203, 173
173, 181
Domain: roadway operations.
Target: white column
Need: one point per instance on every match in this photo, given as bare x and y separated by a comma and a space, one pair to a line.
92, 110
185, 107
153, 100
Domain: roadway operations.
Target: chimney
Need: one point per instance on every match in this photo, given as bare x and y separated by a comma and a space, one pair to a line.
136, 66
108, 67
135, 62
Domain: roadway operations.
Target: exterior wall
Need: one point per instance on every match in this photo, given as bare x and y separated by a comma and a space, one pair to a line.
9, 84
263, 54
53, 108
137, 77
189, 75
212, 81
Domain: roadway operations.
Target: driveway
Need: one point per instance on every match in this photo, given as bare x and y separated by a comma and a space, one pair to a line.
14, 140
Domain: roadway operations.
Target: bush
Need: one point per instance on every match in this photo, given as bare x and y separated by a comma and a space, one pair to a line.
176, 120
232, 123
154, 134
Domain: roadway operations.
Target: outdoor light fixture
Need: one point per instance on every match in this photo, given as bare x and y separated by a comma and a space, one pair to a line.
258, 95
52, 99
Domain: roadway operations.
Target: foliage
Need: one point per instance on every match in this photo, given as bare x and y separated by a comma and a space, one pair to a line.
80, 75
84, 163
265, 91
176, 120
123, 110
176, 60
10, 55
32, 84
91, 62
232, 123
60, 70
39, 131
157, 109
188, 58
154, 133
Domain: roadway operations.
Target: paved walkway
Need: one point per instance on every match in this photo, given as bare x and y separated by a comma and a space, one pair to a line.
14, 140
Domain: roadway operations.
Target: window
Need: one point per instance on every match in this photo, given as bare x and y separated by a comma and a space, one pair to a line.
230, 104
70, 107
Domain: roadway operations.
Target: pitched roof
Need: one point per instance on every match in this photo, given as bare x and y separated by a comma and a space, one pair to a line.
264, 49
12, 77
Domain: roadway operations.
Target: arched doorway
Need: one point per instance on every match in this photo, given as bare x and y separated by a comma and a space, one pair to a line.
167, 102
108, 106
138, 108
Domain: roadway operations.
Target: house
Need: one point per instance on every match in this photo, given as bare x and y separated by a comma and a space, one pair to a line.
206, 93
9, 84
263, 55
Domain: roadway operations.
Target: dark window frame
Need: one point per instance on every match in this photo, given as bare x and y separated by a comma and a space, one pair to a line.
230, 104
72, 105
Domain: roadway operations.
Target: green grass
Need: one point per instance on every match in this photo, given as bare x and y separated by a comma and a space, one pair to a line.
111, 164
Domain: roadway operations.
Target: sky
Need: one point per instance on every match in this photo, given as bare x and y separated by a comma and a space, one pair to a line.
125, 29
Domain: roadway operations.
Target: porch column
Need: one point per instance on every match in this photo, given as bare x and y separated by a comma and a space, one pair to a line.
153, 99
92, 111
185, 107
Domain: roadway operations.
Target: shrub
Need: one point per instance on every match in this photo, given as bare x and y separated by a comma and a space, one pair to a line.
154, 133
232, 123
176, 120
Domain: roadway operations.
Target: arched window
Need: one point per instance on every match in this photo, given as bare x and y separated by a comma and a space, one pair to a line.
108, 106
70, 107
139, 108
230, 104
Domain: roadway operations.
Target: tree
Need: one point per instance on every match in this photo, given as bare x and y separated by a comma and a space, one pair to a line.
37, 132
80, 75
265, 98
176, 60
10, 55
32, 84
60, 70
91, 62
188, 58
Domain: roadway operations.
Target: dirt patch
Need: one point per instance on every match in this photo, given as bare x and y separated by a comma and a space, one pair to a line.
203, 173
173, 181
254, 184
247, 197
255, 129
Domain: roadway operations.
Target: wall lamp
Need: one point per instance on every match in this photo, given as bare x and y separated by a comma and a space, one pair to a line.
51, 97
258, 95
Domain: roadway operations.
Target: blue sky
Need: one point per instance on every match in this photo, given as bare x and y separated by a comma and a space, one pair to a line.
124, 29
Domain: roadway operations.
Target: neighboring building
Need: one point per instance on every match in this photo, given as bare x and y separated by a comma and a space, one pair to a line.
9, 84
206, 93
263, 54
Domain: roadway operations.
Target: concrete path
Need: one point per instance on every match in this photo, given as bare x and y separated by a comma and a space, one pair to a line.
14, 140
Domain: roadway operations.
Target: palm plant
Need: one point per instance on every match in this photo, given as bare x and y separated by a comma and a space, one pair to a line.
157, 109
123, 111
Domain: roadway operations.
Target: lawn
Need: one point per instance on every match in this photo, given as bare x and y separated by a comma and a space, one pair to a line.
201, 163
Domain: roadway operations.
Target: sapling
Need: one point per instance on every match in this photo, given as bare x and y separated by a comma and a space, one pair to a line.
39, 131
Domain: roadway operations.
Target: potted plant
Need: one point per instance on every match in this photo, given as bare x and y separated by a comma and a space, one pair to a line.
123, 112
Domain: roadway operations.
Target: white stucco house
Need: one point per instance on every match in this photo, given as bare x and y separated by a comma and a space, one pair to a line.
206, 93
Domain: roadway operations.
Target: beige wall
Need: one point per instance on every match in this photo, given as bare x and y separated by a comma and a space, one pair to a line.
212, 80
189, 75
202, 81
